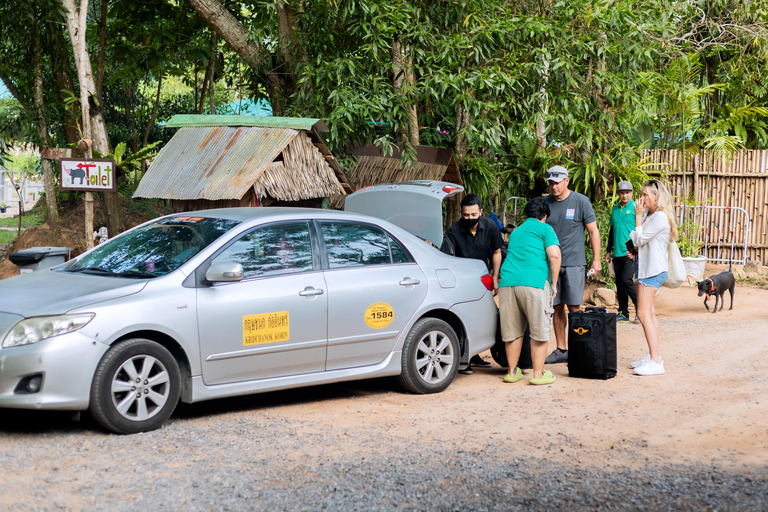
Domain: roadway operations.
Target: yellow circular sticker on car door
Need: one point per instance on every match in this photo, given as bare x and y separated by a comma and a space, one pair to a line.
379, 315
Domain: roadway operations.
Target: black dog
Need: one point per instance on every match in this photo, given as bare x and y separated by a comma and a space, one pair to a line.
716, 285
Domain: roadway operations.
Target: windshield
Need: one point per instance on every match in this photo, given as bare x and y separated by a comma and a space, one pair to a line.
153, 250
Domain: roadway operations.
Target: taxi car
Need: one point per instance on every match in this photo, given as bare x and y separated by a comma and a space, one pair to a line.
226, 302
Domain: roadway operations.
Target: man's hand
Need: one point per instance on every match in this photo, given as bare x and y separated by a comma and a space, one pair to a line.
596, 266
495, 286
607, 257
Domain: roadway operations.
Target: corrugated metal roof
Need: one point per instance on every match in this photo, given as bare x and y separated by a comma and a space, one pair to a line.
294, 123
217, 162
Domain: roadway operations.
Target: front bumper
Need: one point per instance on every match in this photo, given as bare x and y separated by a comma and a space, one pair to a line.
67, 364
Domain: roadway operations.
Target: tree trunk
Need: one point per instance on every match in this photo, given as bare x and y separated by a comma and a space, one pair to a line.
11, 86
462, 123
48, 180
238, 38
541, 127
211, 88
204, 90
94, 126
228, 27
285, 23
64, 82
102, 48
404, 85
154, 109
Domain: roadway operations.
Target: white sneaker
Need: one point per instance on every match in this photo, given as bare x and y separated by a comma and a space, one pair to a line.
651, 368
640, 362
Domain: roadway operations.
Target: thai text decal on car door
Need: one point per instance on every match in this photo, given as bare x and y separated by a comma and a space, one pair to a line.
273, 323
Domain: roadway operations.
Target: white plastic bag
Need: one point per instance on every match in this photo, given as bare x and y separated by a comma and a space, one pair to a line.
610, 268
676, 273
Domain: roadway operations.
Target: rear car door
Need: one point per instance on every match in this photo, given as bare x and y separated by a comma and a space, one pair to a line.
273, 323
374, 288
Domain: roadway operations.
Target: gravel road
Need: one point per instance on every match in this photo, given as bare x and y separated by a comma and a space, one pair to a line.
693, 439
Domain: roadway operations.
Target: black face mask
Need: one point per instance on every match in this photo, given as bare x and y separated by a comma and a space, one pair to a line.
468, 223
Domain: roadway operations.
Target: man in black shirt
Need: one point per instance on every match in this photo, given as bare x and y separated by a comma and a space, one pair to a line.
478, 237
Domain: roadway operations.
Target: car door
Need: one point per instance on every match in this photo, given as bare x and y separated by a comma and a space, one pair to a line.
273, 323
374, 288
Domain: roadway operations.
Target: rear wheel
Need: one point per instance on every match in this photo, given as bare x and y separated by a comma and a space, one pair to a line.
135, 388
430, 357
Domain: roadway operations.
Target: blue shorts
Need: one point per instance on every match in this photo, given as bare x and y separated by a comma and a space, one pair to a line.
654, 281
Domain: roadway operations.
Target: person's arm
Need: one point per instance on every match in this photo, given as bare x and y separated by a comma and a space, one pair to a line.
554, 257
645, 232
594, 241
496, 260
609, 244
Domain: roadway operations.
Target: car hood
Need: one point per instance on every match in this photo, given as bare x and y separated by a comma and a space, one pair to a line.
415, 206
53, 293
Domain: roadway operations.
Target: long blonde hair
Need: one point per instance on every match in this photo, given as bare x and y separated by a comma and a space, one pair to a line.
664, 203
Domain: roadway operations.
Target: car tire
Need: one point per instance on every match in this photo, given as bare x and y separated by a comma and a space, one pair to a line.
430, 357
135, 388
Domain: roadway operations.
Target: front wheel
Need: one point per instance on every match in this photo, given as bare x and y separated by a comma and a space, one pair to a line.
430, 357
135, 388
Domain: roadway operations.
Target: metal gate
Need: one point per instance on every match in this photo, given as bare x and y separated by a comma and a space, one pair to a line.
719, 230
516, 199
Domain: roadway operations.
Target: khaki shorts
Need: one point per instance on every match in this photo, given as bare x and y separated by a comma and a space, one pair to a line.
522, 305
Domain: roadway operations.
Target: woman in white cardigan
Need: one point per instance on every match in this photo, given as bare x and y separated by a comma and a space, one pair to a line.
654, 227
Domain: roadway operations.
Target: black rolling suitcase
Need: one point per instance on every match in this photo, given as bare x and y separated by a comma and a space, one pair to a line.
592, 344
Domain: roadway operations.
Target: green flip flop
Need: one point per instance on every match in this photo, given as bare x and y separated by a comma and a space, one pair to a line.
547, 377
518, 374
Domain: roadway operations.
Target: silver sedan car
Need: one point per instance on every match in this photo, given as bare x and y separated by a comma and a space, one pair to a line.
227, 302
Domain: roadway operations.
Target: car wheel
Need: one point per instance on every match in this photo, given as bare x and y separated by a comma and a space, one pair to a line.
430, 357
135, 388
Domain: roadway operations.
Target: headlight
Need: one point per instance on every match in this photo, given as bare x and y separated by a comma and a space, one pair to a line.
39, 328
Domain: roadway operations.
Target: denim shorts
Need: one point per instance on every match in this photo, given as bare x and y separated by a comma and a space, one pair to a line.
654, 281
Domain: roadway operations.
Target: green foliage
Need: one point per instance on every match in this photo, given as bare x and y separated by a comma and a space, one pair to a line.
151, 208
26, 162
603, 218
30, 219
689, 241
7, 237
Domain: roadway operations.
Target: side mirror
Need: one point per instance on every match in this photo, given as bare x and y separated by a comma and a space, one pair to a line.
224, 272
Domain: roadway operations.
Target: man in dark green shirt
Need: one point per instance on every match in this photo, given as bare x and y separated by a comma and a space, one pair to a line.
622, 223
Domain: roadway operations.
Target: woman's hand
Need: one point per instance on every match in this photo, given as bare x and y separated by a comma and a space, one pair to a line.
639, 206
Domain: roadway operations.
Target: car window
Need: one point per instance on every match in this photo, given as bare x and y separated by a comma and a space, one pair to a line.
154, 249
355, 245
271, 250
399, 255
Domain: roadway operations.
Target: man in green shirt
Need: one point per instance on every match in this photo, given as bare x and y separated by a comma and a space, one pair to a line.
622, 223
527, 287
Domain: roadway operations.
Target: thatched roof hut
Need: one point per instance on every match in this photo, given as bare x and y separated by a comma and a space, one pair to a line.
433, 164
222, 161
374, 168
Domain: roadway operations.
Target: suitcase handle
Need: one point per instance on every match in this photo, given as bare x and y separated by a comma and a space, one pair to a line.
595, 309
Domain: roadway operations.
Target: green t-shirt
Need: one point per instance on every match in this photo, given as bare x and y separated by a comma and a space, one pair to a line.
622, 222
526, 263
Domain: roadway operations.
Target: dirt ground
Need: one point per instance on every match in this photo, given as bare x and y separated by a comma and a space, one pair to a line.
710, 407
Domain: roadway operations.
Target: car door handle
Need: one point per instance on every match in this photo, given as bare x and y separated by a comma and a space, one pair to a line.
407, 281
311, 292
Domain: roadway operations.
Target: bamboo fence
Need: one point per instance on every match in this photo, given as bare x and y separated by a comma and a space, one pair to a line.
738, 182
